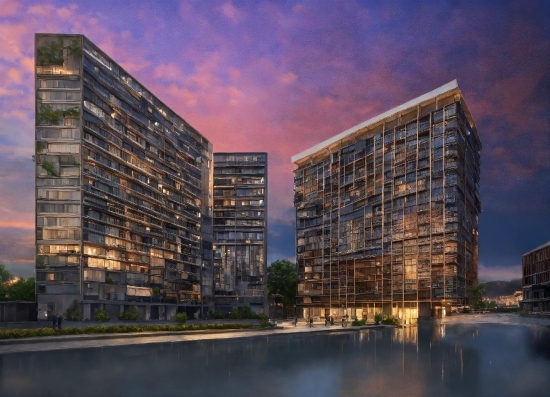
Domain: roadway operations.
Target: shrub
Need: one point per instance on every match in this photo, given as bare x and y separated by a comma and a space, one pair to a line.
130, 314
234, 313
101, 315
390, 321
262, 317
378, 317
265, 324
121, 328
245, 312
181, 317
359, 323
73, 312
217, 315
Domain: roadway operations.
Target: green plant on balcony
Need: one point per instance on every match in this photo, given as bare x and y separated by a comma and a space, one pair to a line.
76, 164
109, 280
50, 54
46, 115
40, 146
74, 48
71, 112
49, 167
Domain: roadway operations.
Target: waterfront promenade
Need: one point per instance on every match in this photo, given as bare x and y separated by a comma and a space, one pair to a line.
283, 327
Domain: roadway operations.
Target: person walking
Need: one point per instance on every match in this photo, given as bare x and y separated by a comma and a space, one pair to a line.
295, 320
331, 320
311, 322
59, 320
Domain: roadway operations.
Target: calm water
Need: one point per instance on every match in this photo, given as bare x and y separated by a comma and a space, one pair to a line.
431, 360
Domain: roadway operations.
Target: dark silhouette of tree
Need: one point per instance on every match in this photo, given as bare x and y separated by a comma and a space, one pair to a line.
20, 290
282, 281
477, 296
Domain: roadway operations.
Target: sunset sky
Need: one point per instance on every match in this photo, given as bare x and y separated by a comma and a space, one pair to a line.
281, 76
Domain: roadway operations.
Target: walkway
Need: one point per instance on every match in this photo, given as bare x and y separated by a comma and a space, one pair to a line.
106, 340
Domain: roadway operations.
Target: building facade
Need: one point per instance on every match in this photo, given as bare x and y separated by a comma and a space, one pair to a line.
536, 279
123, 191
387, 213
240, 230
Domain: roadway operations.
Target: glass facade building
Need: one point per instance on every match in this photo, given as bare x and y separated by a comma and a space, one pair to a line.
536, 279
387, 213
240, 230
123, 190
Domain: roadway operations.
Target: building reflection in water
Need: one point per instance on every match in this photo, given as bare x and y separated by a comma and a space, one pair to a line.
427, 360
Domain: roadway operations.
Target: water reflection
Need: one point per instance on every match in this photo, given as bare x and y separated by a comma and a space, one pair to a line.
428, 360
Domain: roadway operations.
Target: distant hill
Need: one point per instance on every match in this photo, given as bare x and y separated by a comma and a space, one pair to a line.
499, 288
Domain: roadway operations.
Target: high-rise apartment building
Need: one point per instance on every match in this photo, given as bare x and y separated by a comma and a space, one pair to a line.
123, 190
387, 213
240, 230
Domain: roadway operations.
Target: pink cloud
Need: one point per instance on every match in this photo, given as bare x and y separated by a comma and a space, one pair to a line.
42, 10
8, 8
231, 12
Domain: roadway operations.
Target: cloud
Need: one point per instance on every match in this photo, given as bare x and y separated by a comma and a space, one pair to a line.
281, 77
9, 7
499, 273
229, 10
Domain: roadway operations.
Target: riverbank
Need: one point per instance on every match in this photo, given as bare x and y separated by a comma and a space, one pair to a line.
49, 343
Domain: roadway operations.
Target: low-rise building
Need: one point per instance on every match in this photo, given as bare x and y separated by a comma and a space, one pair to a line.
536, 279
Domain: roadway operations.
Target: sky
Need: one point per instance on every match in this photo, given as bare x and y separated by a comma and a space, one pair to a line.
282, 76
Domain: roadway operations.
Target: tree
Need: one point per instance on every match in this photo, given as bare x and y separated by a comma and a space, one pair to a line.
5, 275
73, 311
282, 281
477, 296
20, 290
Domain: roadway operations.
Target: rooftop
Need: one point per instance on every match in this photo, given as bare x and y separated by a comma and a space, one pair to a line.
427, 97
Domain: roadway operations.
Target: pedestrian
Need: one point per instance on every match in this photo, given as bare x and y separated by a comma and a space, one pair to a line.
54, 320
59, 320
331, 320
310, 322
343, 322
295, 320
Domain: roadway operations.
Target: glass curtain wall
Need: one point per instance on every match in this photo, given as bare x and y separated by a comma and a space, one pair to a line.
240, 229
123, 184
389, 223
